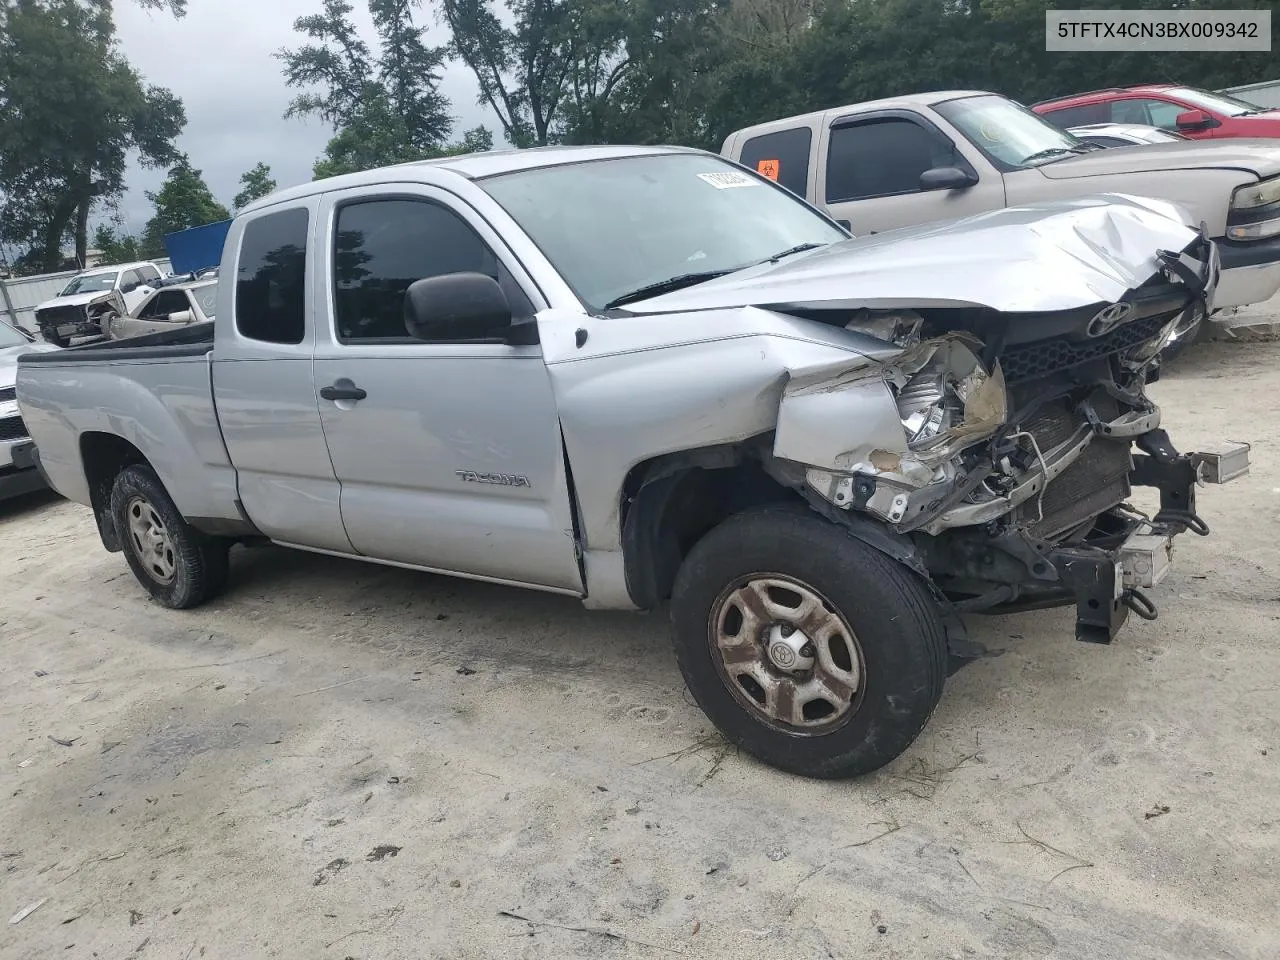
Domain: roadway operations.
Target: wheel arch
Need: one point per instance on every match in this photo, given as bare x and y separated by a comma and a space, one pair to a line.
671, 501
104, 455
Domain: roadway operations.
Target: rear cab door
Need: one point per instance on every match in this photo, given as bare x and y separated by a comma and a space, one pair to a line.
262, 378
452, 460
871, 168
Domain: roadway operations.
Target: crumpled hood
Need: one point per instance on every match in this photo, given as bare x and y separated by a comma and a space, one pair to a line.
1257, 156
77, 299
1035, 258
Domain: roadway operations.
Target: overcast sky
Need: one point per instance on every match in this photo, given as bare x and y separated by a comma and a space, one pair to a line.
218, 59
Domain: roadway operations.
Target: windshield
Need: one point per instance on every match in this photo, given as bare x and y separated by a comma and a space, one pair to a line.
207, 298
612, 227
10, 337
89, 283
1217, 102
1007, 132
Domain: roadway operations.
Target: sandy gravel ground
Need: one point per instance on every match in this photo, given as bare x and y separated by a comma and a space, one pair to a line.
338, 760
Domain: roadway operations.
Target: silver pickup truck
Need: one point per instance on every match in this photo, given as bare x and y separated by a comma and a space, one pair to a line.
641, 375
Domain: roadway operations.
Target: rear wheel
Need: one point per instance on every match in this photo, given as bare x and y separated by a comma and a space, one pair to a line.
804, 646
179, 566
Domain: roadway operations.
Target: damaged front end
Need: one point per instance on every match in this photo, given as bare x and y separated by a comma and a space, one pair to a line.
59, 322
1001, 448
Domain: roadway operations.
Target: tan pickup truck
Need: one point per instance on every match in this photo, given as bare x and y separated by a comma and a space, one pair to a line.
938, 156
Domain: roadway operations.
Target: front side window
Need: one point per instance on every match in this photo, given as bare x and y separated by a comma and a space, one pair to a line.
880, 158
1008, 133
1147, 111
130, 280
271, 278
381, 247
164, 303
612, 227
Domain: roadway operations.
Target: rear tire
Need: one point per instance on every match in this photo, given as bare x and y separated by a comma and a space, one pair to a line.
178, 565
860, 614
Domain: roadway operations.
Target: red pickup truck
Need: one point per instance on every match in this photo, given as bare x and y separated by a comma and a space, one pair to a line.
1193, 113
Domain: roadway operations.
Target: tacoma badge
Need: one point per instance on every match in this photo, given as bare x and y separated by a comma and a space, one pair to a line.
501, 479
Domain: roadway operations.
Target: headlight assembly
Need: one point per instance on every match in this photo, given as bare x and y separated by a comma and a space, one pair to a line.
946, 399
1253, 195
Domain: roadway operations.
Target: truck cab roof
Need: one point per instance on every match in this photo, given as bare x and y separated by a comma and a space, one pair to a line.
470, 166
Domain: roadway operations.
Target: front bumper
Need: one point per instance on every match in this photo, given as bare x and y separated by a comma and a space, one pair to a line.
19, 470
1106, 582
1250, 272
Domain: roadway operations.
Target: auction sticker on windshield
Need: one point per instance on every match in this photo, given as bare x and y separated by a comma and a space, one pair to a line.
726, 179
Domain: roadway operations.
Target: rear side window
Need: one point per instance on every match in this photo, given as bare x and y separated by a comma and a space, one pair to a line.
1082, 116
271, 278
781, 156
880, 158
149, 273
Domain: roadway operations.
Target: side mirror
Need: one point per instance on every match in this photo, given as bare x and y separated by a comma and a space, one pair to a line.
946, 178
1193, 120
182, 316
456, 306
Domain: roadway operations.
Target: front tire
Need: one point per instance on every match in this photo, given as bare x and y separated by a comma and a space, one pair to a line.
178, 565
807, 648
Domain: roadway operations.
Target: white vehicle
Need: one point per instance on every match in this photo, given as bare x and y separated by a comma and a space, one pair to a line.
1123, 134
18, 473
88, 303
167, 309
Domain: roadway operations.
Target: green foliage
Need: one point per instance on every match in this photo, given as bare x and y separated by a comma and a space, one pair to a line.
385, 108
257, 183
183, 200
71, 112
115, 247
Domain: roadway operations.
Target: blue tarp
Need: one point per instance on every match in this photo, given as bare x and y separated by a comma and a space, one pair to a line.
196, 248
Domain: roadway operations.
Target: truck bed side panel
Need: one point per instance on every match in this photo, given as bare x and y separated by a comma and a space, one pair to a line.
162, 405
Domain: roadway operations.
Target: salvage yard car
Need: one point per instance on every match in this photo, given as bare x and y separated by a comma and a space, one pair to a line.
639, 375
172, 306
88, 304
18, 473
934, 156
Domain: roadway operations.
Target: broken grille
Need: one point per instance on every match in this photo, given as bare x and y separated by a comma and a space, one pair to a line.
1031, 360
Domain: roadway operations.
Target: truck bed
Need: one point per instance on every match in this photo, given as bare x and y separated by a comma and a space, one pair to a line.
147, 398
189, 341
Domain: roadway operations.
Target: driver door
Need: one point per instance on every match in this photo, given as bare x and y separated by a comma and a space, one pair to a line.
133, 289
448, 454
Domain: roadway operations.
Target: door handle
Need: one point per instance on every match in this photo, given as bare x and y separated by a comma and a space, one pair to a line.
342, 390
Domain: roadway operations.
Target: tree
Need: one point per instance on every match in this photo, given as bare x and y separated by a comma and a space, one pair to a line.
384, 108
114, 247
257, 183
183, 200
528, 71
71, 112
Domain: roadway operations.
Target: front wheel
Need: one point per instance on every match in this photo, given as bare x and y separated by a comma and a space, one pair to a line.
806, 647
179, 566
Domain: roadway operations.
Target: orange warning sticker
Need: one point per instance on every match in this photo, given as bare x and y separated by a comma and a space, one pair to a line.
768, 168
